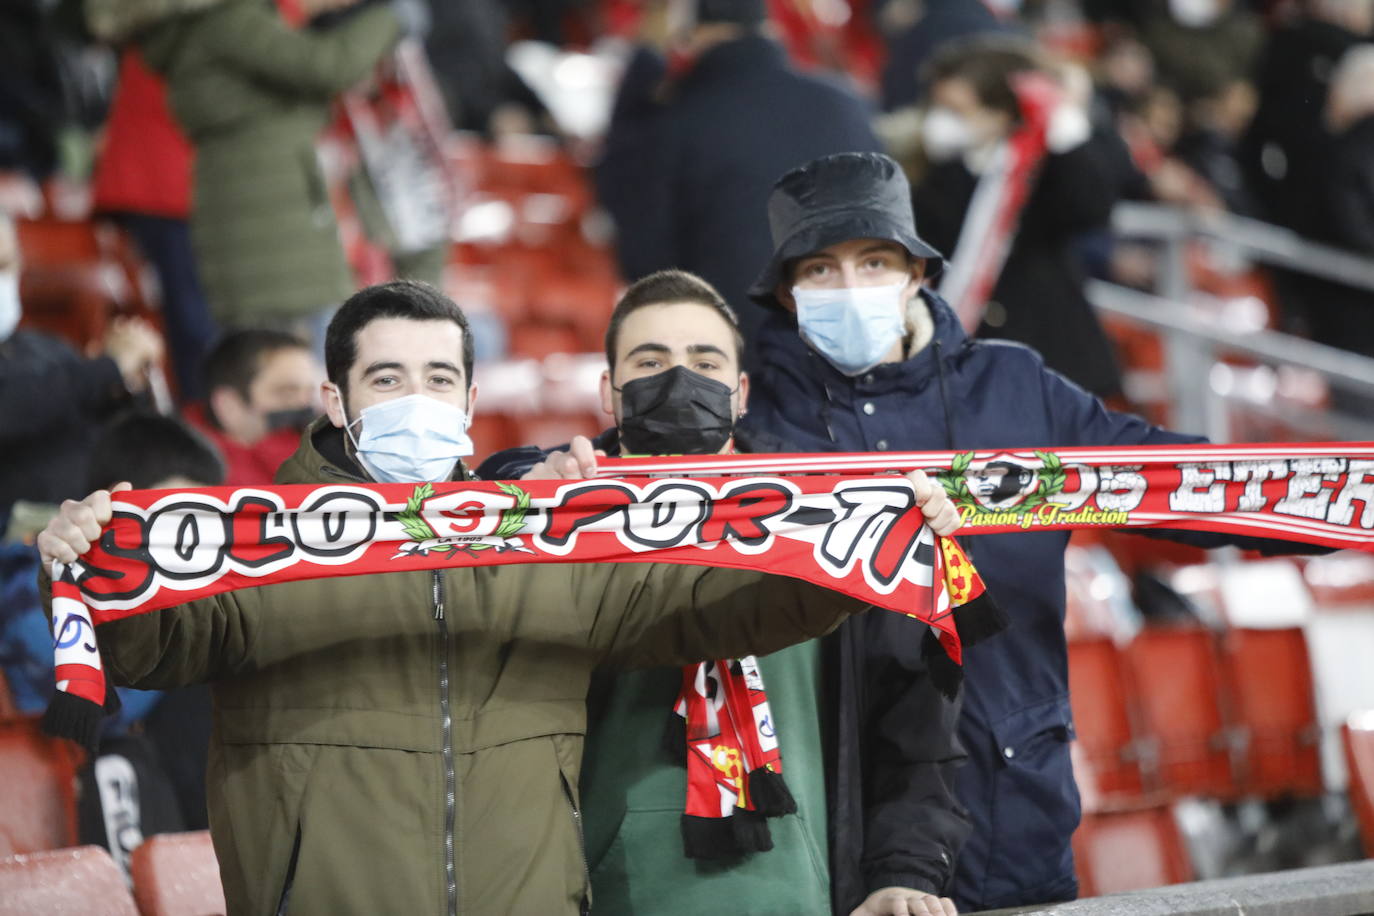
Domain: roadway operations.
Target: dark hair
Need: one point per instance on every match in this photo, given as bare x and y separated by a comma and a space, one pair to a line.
663, 287
408, 299
987, 63
238, 358
145, 448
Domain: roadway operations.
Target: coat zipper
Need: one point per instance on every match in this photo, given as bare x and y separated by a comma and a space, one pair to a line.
585, 906
450, 778
285, 899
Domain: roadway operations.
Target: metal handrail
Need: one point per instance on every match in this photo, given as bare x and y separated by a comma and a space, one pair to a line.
1261, 241
1349, 370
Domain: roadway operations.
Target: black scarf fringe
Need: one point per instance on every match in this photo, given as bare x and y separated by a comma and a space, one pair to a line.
946, 674
770, 794
714, 838
69, 716
978, 620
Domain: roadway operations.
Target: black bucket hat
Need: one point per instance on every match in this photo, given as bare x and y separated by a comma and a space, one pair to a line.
834, 199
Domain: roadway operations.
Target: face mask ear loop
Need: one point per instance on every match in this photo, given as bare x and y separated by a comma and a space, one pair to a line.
347, 427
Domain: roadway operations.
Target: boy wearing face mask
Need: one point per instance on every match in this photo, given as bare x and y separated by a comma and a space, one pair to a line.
263, 390
410, 742
862, 356
867, 741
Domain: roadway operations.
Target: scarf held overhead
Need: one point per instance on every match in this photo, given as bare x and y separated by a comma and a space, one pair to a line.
863, 536
822, 518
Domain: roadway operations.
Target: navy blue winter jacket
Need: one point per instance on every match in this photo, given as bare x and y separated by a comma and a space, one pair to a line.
1016, 724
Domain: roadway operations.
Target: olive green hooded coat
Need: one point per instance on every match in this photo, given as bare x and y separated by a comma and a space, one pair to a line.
252, 94
410, 742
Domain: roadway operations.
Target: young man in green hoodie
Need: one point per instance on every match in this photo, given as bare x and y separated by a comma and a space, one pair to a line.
867, 741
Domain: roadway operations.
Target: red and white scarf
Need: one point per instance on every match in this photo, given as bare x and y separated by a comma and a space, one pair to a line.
863, 536
994, 210
723, 727
823, 518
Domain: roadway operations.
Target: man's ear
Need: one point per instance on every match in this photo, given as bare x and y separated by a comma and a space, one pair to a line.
333, 403
472, 402
743, 392
226, 406
607, 394
783, 293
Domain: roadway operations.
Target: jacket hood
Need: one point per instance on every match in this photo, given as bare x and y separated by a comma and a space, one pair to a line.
116, 21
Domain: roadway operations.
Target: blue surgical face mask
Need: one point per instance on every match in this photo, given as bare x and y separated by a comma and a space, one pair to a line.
413, 439
852, 328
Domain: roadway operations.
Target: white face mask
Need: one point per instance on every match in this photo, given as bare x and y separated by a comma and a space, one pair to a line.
945, 134
1195, 13
852, 328
9, 302
413, 439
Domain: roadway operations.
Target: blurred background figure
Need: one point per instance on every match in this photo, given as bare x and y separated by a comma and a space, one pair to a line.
252, 94
143, 180
1343, 201
263, 390
53, 400
1038, 297
917, 29
693, 151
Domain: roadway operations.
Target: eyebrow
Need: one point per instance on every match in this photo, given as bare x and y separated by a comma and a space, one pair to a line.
648, 347
692, 349
380, 366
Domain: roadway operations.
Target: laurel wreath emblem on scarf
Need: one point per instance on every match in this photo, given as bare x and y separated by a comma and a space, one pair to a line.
511, 523
1050, 480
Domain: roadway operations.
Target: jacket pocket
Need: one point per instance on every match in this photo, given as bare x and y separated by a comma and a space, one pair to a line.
567, 776
263, 802
1035, 801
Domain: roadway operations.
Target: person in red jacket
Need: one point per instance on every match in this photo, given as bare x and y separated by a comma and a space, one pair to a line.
262, 391
143, 181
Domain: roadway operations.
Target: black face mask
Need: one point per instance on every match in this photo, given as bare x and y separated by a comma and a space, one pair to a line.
678, 412
297, 418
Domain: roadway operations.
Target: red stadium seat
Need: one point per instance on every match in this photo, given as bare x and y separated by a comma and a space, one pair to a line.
1273, 703
1107, 757
540, 340
80, 880
549, 430
1129, 850
1178, 684
491, 432
177, 874
1358, 736
71, 301
38, 803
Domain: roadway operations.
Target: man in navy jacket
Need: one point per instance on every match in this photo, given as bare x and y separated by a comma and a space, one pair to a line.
881, 364
689, 159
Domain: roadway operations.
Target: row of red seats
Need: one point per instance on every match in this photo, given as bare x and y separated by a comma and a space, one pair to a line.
174, 874
1181, 711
